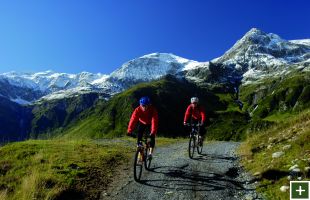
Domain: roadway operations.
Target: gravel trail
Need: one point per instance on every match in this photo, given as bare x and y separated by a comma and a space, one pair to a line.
215, 174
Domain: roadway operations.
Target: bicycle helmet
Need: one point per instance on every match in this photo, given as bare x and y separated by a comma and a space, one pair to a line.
194, 100
144, 101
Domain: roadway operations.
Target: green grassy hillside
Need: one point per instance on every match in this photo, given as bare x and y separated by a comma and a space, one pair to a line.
169, 95
63, 169
50, 117
87, 116
273, 99
57, 169
290, 93
290, 136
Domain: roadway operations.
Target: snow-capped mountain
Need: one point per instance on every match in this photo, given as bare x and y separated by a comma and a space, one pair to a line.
19, 94
147, 68
258, 54
46, 83
255, 56
50, 81
153, 66
53, 85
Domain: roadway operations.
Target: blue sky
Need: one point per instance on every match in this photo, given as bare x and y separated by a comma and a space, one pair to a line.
99, 36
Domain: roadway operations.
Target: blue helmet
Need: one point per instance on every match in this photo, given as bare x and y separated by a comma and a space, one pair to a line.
144, 101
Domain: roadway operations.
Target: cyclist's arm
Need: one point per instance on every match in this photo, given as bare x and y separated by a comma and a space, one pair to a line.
203, 116
154, 122
133, 121
187, 114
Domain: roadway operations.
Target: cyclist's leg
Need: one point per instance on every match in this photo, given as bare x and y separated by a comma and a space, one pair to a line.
187, 129
141, 130
195, 122
152, 144
152, 138
202, 132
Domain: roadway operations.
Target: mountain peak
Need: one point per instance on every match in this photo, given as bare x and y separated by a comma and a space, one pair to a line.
256, 41
258, 52
256, 36
166, 57
157, 54
153, 66
255, 31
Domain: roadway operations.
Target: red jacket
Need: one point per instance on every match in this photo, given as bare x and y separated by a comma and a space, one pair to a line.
147, 117
197, 113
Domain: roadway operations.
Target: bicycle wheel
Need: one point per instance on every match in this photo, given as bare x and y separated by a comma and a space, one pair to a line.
199, 144
191, 146
138, 165
148, 160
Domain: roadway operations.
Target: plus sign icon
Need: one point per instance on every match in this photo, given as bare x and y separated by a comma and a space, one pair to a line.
299, 190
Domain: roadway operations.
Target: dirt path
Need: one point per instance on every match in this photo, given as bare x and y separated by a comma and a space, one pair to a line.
213, 175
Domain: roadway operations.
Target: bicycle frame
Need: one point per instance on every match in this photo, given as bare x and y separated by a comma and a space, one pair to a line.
141, 158
195, 130
195, 141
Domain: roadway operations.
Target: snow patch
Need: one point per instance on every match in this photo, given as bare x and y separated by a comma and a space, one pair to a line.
20, 101
302, 42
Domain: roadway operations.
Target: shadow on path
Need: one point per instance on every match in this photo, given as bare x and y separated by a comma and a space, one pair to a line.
185, 178
213, 157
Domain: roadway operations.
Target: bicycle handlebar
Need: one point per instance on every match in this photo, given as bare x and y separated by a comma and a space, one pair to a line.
134, 135
189, 124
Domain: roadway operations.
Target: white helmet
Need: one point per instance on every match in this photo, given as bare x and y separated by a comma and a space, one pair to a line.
194, 100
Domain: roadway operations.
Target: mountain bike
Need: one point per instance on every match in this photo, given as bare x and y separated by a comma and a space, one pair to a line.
195, 140
142, 157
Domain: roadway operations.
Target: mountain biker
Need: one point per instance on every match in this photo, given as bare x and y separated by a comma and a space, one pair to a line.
147, 116
195, 114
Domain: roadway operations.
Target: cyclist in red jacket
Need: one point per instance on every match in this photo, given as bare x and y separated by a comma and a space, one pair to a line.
195, 114
147, 116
